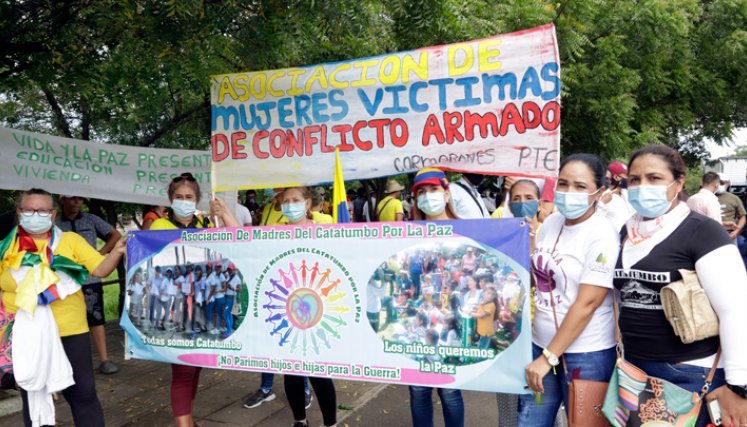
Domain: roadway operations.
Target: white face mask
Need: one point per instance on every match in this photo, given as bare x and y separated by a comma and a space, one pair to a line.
432, 204
35, 224
184, 208
294, 211
721, 189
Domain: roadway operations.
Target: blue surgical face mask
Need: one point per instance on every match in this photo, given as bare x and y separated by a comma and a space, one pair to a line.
294, 211
35, 224
184, 208
572, 205
650, 201
524, 209
432, 204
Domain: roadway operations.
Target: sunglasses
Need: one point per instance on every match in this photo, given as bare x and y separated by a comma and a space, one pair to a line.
184, 177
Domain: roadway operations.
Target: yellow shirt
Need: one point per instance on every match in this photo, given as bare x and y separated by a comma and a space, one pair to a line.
498, 212
388, 208
270, 216
486, 324
320, 218
70, 313
165, 224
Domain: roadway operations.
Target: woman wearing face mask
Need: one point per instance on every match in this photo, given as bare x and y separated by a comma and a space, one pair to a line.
295, 204
572, 265
432, 196
184, 195
524, 199
663, 237
51, 326
431, 189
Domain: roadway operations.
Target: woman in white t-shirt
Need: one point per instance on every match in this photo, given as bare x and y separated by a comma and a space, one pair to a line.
572, 264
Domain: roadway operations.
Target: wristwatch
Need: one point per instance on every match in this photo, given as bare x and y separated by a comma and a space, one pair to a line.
551, 357
739, 390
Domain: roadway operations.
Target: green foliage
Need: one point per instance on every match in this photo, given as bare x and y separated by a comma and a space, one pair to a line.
138, 72
693, 180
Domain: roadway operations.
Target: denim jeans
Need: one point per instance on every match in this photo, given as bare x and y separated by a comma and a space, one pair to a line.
421, 406
689, 377
595, 366
484, 342
228, 317
219, 304
209, 314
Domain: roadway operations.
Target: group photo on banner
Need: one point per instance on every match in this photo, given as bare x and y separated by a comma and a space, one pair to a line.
465, 255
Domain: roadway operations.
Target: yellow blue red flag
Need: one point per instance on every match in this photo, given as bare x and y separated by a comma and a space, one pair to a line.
340, 211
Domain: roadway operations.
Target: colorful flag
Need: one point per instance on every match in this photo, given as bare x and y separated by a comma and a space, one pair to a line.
339, 197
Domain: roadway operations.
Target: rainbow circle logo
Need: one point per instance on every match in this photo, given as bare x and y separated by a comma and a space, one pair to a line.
304, 308
307, 305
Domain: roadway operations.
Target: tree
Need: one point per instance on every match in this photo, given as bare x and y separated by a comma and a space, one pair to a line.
138, 72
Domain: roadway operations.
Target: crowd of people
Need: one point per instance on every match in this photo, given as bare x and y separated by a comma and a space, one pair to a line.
463, 296
602, 235
192, 298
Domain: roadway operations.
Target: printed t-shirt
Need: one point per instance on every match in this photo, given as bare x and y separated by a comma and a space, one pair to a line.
90, 227
70, 313
585, 254
646, 333
486, 324
388, 208
731, 207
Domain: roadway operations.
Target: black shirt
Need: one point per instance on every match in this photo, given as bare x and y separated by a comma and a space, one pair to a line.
646, 333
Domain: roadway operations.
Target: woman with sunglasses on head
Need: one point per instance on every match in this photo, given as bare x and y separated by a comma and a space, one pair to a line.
572, 264
295, 205
662, 238
184, 195
433, 202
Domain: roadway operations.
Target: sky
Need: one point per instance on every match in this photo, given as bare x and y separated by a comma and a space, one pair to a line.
740, 138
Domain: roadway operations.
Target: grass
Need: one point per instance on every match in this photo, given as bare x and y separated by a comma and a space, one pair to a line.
111, 298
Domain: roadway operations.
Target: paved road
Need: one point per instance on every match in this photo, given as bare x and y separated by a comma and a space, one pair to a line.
139, 396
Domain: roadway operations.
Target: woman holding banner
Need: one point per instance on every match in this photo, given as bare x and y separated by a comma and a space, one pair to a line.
184, 195
572, 264
431, 189
295, 204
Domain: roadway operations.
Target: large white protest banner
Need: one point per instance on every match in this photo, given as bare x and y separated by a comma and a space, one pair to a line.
104, 171
490, 106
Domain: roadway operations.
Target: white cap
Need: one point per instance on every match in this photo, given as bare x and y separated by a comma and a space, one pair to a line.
723, 177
